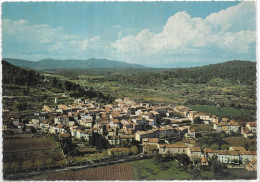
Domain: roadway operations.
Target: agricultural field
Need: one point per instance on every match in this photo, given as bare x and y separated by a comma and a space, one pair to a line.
26, 144
219, 111
238, 141
204, 129
29, 148
147, 170
113, 172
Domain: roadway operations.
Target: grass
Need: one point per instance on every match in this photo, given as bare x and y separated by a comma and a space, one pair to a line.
230, 174
240, 174
203, 128
219, 111
207, 175
147, 170
238, 141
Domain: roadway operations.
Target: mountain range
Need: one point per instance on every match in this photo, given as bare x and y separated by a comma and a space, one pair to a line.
48, 64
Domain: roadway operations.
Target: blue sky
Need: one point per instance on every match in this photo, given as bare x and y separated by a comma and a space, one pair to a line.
156, 34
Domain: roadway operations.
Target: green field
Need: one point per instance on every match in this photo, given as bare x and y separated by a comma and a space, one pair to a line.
147, 170
230, 174
219, 111
238, 141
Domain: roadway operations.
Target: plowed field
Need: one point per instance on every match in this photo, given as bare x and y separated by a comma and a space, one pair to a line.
113, 172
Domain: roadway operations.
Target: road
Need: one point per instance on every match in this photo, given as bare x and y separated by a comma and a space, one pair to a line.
23, 175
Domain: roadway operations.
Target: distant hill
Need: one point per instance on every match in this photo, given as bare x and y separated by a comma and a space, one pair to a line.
48, 64
243, 72
236, 70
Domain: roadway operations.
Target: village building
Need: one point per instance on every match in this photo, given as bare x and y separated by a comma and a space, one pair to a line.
238, 149
189, 142
195, 153
48, 109
173, 149
252, 127
62, 119
227, 127
205, 117
45, 125
191, 133
122, 125
228, 157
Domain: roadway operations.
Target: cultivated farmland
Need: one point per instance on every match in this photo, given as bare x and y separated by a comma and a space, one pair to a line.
29, 147
26, 144
113, 172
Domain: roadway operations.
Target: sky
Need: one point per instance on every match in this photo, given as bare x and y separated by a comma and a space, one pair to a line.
154, 34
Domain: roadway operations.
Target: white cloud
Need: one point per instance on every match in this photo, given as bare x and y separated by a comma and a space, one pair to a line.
241, 17
42, 39
228, 31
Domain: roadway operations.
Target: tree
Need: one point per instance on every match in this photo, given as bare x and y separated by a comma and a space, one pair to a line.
38, 163
203, 146
20, 105
224, 147
26, 165
61, 163
5, 166
14, 166
112, 154
184, 159
246, 146
77, 160
134, 149
197, 120
196, 173
252, 148
214, 146
157, 158
216, 166
150, 149
48, 162
167, 156
54, 82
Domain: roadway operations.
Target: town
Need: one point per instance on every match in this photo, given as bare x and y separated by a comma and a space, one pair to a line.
167, 129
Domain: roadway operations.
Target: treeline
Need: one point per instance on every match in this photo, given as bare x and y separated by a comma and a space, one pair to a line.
75, 90
243, 72
14, 75
237, 72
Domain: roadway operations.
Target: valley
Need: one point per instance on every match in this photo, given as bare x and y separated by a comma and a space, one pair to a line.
190, 108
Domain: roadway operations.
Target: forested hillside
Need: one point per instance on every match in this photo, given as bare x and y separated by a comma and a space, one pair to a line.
31, 90
14, 75
243, 72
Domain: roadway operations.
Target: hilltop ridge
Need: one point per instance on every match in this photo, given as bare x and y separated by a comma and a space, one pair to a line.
45, 64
